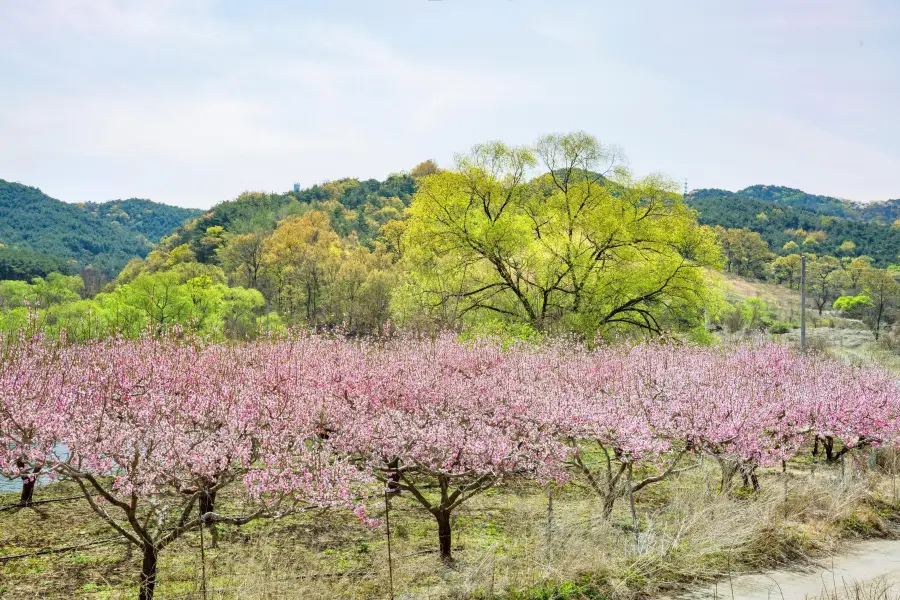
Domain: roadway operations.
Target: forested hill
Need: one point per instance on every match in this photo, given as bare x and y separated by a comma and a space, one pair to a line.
781, 215
358, 207
789, 219
144, 217
886, 212
38, 232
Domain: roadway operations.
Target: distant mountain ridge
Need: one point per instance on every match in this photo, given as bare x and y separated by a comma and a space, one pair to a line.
39, 234
775, 212
885, 212
152, 220
105, 235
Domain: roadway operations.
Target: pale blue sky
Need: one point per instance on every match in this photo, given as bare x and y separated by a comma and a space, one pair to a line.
191, 102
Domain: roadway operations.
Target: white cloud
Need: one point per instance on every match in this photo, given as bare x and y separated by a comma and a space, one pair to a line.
188, 103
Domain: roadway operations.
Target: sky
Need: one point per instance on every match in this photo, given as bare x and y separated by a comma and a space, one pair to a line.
192, 102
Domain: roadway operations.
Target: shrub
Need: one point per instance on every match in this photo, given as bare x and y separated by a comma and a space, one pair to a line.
780, 327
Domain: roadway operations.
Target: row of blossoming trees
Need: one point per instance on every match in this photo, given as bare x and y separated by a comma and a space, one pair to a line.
152, 431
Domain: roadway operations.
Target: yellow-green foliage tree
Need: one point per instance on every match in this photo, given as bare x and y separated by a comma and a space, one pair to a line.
242, 259
857, 269
315, 277
786, 269
301, 258
825, 279
877, 304
582, 245
746, 253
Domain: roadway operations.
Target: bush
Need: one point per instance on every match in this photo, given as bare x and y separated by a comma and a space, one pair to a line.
780, 327
755, 314
734, 321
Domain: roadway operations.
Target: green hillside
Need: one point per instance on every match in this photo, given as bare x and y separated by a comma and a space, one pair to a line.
149, 219
776, 213
35, 228
884, 212
353, 206
782, 215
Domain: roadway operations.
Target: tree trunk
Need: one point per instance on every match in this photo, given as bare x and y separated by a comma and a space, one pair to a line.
828, 444
445, 536
729, 469
28, 484
148, 573
27, 496
393, 482
207, 502
207, 505
608, 502
748, 474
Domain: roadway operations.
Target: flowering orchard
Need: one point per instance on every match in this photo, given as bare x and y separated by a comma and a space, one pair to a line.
152, 431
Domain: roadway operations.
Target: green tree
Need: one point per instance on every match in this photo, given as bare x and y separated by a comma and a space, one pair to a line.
746, 253
883, 289
847, 248
856, 271
428, 167
301, 259
786, 269
755, 314
242, 259
583, 245
823, 280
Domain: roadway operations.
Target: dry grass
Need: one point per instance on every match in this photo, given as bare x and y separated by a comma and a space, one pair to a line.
688, 534
776, 296
855, 590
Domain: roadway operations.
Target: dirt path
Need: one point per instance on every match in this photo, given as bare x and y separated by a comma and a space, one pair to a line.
868, 564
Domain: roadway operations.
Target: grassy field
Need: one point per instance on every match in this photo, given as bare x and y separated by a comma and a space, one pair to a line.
508, 543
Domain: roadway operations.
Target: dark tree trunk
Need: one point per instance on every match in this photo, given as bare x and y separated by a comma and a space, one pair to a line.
393, 482
207, 505
148, 573
828, 444
207, 502
445, 536
750, 478
28, 484
27, 496
815, 450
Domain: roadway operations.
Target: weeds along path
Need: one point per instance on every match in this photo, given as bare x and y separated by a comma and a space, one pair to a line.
870, 569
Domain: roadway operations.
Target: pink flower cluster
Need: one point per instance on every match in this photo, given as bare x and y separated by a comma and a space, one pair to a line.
752, 403
314, 417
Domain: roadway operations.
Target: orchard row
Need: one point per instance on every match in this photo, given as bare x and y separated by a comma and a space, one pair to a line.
152, 430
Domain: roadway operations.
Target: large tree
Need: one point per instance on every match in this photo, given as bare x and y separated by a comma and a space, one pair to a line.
301, 258
786, 269
746, 253
558, 234
877, 303
825, 280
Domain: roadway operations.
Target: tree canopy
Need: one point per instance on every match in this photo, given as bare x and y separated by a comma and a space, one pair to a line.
582, 244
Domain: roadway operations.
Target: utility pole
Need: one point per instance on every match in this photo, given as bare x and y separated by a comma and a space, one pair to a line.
803, 303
